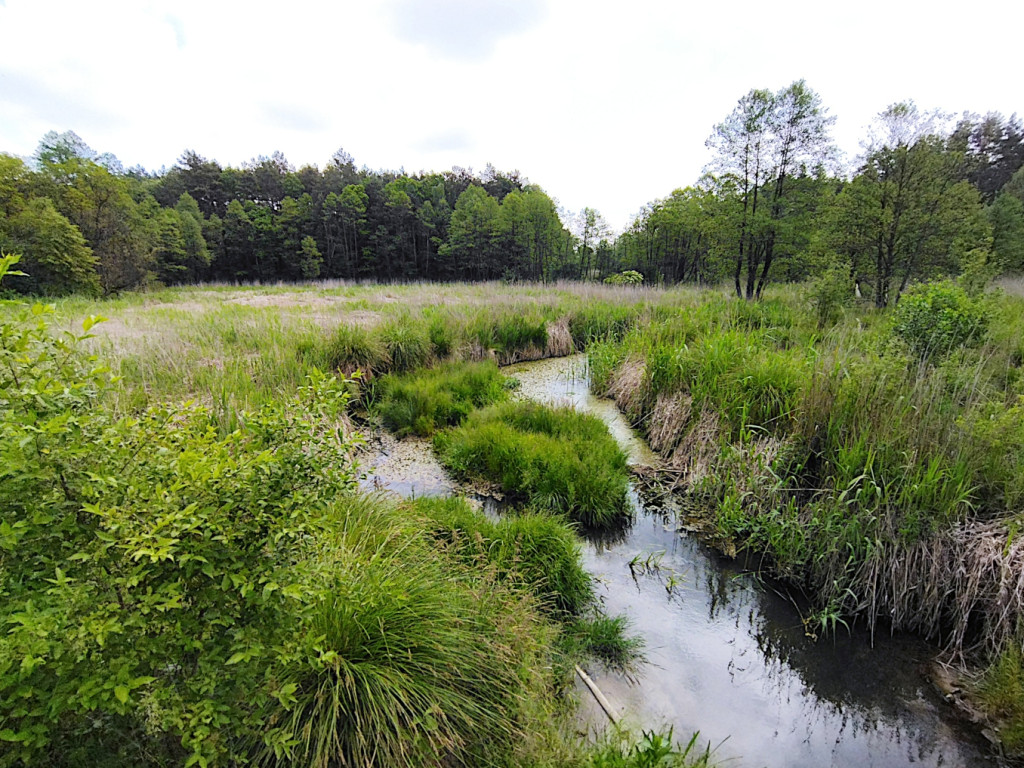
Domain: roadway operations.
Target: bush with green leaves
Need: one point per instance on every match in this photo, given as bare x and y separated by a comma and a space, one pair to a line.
629, 277
933, 319
149, 566
829, 293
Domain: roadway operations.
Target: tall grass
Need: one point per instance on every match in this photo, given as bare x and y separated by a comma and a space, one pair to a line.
554, 458
429, 399
533, 550
839, 455
404, 658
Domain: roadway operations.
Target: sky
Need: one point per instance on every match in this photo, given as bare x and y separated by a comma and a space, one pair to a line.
602, 104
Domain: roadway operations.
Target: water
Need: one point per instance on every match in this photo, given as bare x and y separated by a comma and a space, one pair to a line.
729, 656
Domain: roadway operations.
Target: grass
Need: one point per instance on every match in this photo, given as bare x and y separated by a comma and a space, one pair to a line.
429, 399
347, 349
1001, 691
533, 550
554, 458
407, 659
884, 485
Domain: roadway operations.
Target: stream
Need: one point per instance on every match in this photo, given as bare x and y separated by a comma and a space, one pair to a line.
727, 655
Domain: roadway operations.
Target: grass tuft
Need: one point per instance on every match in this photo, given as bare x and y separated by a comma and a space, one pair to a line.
430, 399
554, 458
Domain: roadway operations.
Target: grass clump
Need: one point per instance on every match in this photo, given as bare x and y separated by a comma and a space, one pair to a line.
512, 336
533, 550
407, 343
348, 348
406, 659
653, 750
1001, 691
554, 458
605, 638
601, 322
421, 402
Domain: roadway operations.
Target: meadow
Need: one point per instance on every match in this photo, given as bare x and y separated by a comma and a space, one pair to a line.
874, 462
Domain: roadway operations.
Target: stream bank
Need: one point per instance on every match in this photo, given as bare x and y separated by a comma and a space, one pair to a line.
728, 656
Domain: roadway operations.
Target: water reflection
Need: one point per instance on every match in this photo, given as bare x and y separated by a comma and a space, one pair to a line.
730, 657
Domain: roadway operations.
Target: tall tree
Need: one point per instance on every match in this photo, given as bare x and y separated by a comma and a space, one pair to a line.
907, 214
55, 258
469, 252
767, 140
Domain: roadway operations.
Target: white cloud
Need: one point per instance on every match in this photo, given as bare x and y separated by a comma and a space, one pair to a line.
603, 103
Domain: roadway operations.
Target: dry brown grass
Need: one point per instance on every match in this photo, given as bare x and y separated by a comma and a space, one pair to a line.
696, 454
559, 339
626, 387
669, 417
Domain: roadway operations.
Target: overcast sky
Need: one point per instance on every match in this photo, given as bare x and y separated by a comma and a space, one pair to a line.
605, 104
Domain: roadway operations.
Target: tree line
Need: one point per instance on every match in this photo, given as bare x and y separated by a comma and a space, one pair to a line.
83, 223
927, 197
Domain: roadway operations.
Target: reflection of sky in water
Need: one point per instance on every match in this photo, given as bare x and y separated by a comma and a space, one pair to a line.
728, 656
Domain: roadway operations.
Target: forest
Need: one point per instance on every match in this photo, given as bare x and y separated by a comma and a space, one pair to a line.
927, 196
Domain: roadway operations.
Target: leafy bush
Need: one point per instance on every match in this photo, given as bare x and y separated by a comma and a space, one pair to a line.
556, 458
829, 293
935, 318
418, 403
629, 277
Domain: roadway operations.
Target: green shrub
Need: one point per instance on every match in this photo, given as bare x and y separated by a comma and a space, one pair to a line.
556, 458
629, 277
421, 402
934, 318
157, 559
829, 294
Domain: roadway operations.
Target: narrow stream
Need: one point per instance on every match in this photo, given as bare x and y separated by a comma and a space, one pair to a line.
729, 657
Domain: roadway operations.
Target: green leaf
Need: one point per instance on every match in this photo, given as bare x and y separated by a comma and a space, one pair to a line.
121, 692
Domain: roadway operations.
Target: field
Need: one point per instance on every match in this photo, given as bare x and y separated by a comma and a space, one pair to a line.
878, 465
